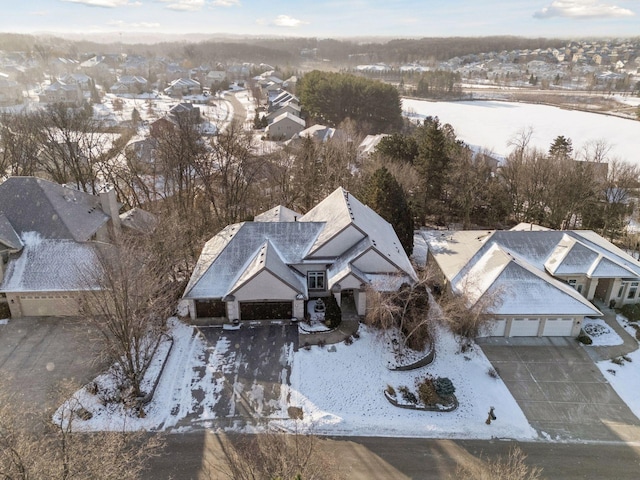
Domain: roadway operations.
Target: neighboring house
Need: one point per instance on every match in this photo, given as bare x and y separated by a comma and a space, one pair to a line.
215, 76
60, 92
49, 240
320, 133
544, 280
80, 79
284, 127
183, 86
281, 99
290, 107
269, 268
369, 144
187, 113
129, 84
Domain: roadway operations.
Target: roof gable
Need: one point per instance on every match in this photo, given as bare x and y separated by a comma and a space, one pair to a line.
268, 259
341, 209
278, 214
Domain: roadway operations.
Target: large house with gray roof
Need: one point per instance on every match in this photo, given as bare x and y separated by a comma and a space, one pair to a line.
49, 236
544, 281
269, 268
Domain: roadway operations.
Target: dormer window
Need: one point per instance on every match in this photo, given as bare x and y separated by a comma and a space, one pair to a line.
316, 281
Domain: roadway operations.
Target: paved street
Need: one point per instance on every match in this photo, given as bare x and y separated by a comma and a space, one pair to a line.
370, 458
560, 390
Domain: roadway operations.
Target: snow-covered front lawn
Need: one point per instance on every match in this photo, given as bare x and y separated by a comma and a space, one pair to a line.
625, 379
340, 390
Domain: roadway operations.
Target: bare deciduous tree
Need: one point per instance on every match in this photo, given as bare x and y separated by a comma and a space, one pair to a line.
130, 299
406, 309
467, 312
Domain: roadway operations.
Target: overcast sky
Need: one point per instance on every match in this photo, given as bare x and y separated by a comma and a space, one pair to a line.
328, 18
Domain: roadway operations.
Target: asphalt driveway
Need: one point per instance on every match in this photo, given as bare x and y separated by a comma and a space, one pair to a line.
256, 361
36, 354
560, 390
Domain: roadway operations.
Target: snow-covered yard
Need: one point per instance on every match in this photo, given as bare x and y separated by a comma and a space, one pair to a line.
339, 388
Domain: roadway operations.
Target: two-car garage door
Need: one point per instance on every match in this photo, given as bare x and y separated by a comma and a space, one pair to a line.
553, 327
266, 310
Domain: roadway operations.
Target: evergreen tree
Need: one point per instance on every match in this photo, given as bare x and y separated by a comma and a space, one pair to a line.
398, 147
433, 163
561, 147
386, 197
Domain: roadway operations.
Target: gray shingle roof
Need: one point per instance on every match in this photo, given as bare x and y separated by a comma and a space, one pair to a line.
226, 256
54, 211
46, 265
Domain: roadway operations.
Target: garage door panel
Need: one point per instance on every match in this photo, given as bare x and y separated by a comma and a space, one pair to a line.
210, 308
558, 327
495, 329
524, 327
266, 310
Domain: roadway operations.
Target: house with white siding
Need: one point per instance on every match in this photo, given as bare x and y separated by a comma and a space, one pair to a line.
268, 269
545, 281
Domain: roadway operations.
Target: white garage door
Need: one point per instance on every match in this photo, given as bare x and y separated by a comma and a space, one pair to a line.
558, 327
524, 327
54, 305
495, 329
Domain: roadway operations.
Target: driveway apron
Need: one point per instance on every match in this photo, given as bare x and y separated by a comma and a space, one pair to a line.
560, 390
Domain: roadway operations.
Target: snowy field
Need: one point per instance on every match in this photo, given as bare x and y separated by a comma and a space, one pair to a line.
492, 124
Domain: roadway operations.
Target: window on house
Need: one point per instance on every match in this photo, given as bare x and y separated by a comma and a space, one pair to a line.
620, 291
632, 292
579, 288
315, 280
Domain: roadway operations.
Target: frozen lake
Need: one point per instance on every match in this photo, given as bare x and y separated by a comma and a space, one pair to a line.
491, 124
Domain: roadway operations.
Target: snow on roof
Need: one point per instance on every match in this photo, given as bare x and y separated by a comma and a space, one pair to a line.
340, 209
267, 258
139, 220
523, 290
52, 210
50, 265
290, 116
370, 142
227, 254
278, 214
524, 226
322, 133
570, 258
8, 235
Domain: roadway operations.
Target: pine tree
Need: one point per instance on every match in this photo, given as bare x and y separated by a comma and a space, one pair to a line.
385, 196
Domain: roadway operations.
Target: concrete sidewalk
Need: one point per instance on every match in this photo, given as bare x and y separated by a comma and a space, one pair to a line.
348, 326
